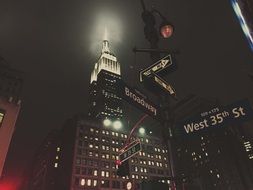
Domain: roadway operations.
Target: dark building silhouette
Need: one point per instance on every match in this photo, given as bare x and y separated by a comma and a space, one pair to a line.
10, 101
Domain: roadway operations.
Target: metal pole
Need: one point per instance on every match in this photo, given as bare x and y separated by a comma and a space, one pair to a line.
133, 129
143, 5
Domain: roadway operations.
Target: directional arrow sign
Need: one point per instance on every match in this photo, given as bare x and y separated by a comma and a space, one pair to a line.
156, 67
130, 151
163, 84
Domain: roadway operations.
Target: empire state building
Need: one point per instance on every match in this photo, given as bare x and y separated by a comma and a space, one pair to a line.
103, 101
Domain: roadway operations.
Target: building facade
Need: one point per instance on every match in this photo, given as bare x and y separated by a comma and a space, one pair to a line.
212, 160
103, 101
10, 90
96, 151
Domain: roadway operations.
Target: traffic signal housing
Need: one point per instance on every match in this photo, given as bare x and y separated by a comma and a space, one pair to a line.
123, 169
149, 29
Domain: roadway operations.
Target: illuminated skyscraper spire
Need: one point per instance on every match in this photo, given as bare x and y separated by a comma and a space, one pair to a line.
105, 47
107, 61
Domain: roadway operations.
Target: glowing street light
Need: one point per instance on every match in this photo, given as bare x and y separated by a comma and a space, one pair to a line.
142, 131
117, 124
107, 122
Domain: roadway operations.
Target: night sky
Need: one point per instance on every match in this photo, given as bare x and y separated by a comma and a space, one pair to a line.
56, 43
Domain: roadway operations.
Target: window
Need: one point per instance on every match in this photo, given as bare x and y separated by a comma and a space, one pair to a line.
89, 182
2, 112
82, 182
95, 183
55, 165
116, 184
95, 172
105, 183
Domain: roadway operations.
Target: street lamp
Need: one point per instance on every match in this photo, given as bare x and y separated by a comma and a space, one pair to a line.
117, 124
142, 131
107, 122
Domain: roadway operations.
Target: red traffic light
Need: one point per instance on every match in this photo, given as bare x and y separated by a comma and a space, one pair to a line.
118, 162
166, 30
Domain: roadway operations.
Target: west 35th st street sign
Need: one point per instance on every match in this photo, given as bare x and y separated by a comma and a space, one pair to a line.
235, 113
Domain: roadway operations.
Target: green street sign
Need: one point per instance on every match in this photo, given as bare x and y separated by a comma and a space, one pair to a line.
130, 151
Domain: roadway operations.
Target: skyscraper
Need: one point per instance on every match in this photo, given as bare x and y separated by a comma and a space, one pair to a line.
104, 103
88, 150
10, 90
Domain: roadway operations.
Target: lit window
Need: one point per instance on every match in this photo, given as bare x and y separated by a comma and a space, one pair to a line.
218, 176
95, 182
91, 130
95, 172
113, 133
89, 182
107, 156
58, 149
102, 173
133, 176
57, 157
91, 146
82, 183
107, 174
1, 117
55, 165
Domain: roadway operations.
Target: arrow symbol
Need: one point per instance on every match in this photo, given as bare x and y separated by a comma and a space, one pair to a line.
156, 67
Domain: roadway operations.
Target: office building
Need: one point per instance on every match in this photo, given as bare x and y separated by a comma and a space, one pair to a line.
104, 103
214, 159
45, 163
10, 91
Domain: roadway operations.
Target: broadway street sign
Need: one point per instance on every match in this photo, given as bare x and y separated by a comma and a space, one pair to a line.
235, 113
156, 67
137, 99
130, 151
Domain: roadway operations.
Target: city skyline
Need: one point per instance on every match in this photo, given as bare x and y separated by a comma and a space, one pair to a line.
56, 57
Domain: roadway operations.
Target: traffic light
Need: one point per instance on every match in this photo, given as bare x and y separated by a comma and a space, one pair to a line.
149, 29
123, 169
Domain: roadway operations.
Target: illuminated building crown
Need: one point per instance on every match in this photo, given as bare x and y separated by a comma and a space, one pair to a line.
107, 61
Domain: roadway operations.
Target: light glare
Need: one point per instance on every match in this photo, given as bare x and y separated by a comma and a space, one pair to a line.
107, 122
117, 124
